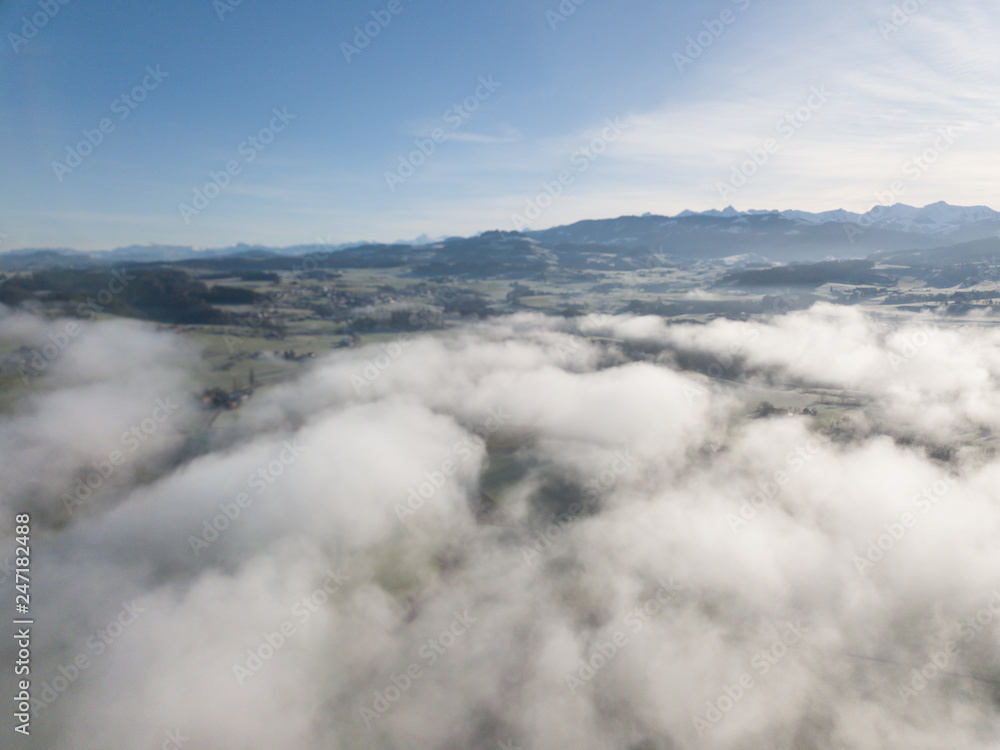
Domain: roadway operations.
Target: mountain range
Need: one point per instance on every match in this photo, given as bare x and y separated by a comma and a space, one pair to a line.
769, 235
934, 218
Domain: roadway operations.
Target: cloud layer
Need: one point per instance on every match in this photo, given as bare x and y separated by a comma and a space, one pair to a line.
531, 533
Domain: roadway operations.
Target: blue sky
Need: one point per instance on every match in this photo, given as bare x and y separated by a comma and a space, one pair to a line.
836, 105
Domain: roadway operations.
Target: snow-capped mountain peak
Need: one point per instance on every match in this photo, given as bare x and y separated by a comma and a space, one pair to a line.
934, 218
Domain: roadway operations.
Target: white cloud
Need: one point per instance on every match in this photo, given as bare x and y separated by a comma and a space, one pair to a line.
757, 522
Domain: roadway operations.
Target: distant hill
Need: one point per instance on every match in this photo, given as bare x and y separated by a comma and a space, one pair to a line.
811, 275
965, 252
775, 236
164, 295
787, 236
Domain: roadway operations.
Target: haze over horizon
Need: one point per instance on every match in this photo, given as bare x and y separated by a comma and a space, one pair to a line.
614, 108
878, 212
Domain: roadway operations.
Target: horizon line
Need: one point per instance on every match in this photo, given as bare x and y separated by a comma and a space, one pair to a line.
685, 213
